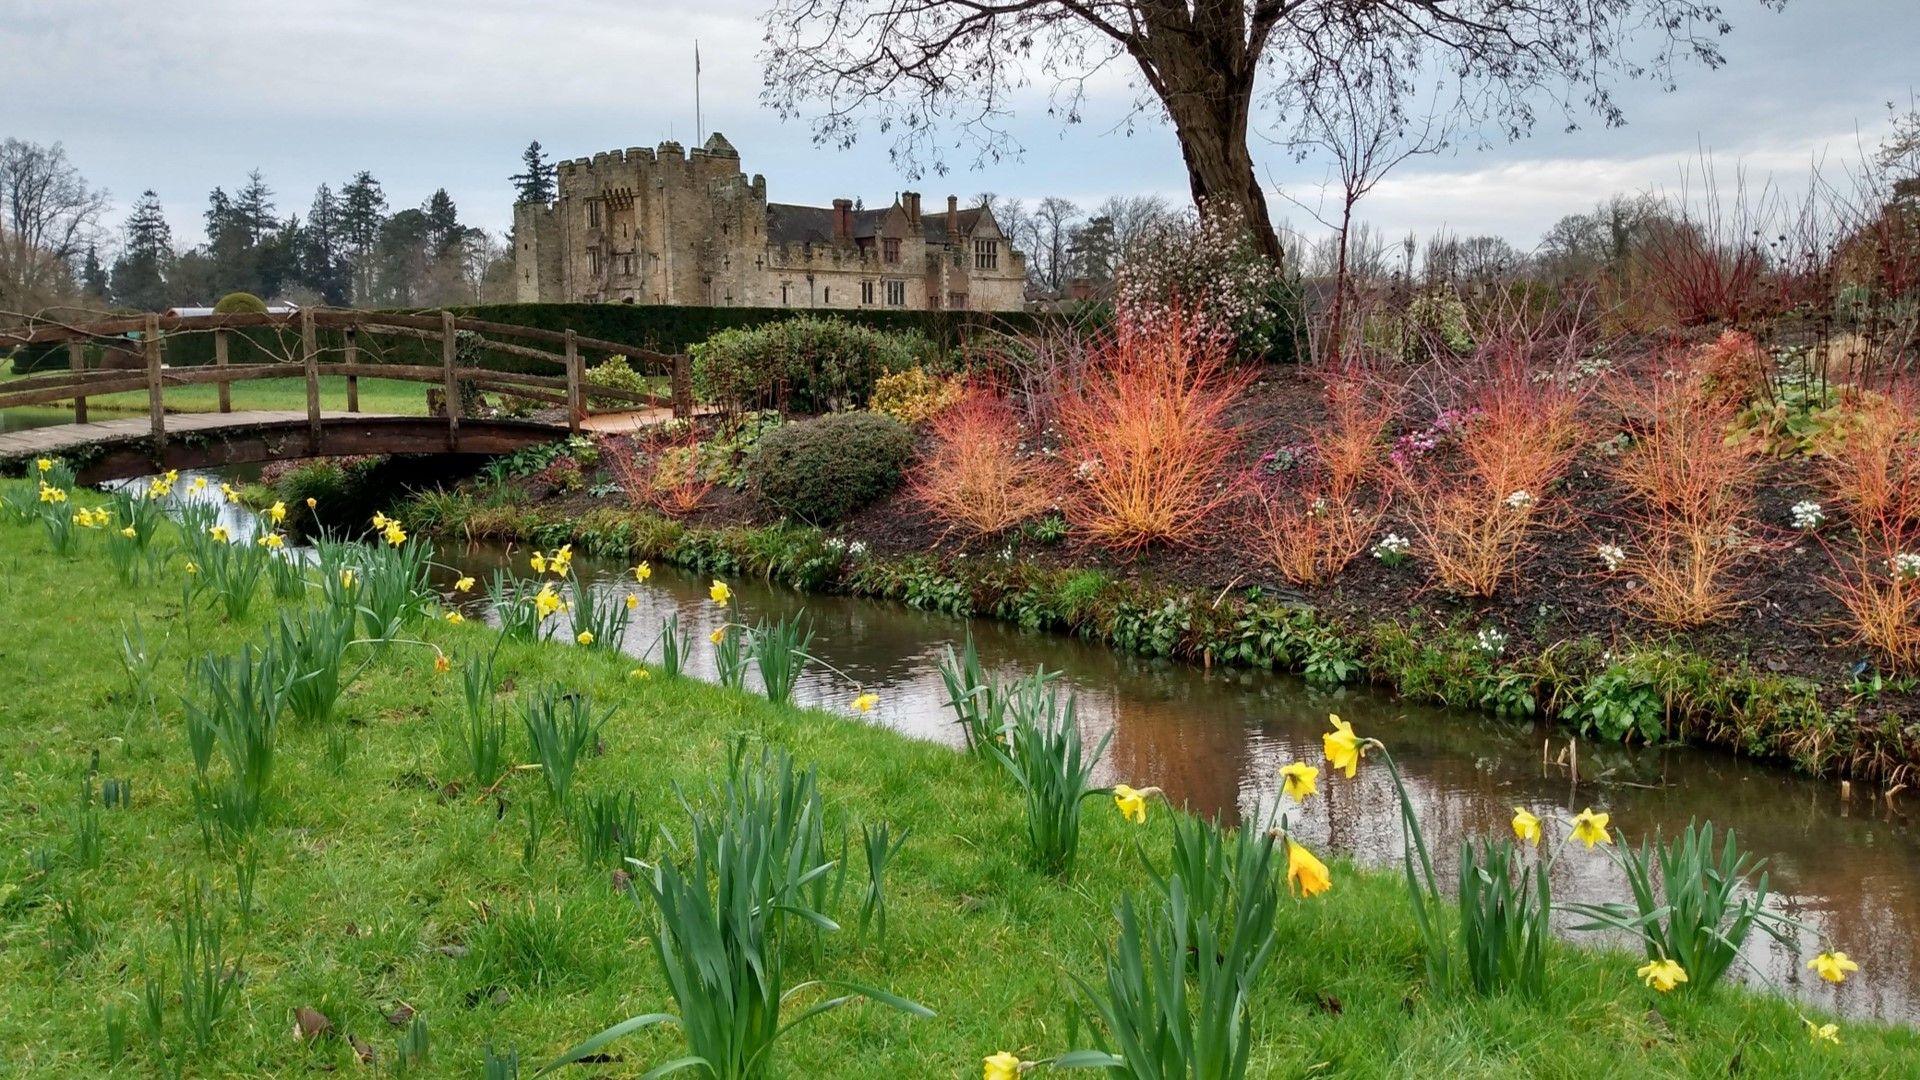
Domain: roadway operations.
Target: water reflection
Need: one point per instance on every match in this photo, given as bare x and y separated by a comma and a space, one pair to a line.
1215, 740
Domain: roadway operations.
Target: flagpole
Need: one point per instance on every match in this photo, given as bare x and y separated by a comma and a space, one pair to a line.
699, 127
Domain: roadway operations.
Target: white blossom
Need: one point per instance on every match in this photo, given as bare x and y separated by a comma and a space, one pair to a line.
1906, 566
1391, 546
1491, 640
1808, 514
1611, 555
1520, 500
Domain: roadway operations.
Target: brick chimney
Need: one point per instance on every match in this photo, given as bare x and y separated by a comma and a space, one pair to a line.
843, 221
953, 219
910, 200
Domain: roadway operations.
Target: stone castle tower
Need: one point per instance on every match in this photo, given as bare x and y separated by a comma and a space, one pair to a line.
668, 226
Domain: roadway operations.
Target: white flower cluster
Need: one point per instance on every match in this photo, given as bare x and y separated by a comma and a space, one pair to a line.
1209, 267
1391, 546
839, 546
1491, 640
1086, 470
1808, 514
1520, 500
1611, 555
1906, 566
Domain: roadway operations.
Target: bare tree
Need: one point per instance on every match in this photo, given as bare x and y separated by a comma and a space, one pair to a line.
1052, 228
1210, 67
49, 217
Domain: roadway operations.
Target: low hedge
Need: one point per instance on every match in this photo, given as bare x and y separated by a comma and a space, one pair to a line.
822, 470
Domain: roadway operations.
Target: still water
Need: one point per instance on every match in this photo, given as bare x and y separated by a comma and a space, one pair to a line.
1214, 740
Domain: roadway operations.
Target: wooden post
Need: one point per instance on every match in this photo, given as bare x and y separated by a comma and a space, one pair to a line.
220, 346
353, 381
150, 337
681, 385
310, 357
576, 404
449, 346
77, 360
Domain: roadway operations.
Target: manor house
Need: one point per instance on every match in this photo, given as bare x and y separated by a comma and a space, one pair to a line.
667, 226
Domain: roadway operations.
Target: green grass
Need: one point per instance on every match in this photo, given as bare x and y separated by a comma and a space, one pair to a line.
382, 884
376, 396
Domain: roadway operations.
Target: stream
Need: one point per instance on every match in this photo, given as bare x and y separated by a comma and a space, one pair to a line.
1213, 740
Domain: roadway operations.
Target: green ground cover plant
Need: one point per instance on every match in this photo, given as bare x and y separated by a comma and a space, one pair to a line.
390, 893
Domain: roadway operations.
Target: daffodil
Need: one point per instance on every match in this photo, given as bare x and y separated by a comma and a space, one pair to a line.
562, 561
1002, 1066
584, 637
632, 601
865, 702
465, 584
379, 520
1590, 828
456, 618
717, 636
546, 602
441, 665
639, 673
393, 534
1833, 966
191, 567
538, 562
1526, 826
312, 502
1342, 746
273, 541
719, 592
44, 464
1822, 1032
347, 578
1131, 803
219, 533
129, 532
199, 484
1299, 780
1662, 975
1306, 875
277, 513
642, 572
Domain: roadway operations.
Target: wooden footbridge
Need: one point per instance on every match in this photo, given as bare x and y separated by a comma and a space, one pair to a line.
314, 343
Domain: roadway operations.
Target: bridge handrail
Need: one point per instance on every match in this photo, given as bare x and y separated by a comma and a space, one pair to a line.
572, 394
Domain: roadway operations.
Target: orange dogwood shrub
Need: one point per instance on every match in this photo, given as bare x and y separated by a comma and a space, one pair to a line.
974, 475
659, 472
1147, 436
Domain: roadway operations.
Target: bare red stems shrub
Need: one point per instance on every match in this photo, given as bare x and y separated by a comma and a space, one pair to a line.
975, 476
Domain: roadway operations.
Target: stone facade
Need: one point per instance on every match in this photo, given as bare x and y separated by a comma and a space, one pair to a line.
668, 226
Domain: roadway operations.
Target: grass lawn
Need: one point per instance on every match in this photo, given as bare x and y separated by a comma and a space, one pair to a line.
376, 396
380, 881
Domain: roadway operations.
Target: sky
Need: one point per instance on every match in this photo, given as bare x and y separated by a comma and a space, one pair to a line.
182, 96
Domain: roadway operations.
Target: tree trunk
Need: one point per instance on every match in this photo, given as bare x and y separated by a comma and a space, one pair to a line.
1210, 118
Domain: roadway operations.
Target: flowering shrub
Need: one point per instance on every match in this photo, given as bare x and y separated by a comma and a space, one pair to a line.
974, 475
1210, 278
913, 395
1149, 430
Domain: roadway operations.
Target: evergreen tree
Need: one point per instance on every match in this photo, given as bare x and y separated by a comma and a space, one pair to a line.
363, 211
323, 254
140, 273
536, 185
442, 223
93, 276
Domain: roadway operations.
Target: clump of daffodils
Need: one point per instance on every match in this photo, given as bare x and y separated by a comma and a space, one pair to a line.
1611, 556
1808, 515
1392, 549
1491, 640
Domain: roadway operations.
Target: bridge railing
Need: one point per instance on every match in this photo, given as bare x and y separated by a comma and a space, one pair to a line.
356, 333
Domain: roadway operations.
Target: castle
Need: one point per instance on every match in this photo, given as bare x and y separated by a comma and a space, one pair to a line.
667, 226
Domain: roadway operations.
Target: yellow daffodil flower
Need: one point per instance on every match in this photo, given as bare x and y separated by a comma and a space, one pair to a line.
219, 533
717, 636
171, 475
1526, 826
1299, 780
865, 702
441, 665
44, 464
379, 520
129, 532
639, 673
1590, 828
1307, 876
199, 484
456, 618
191, 568
1822, 1032
1002, 1066
465, 584
312, 502
277, 513
52, 494
393, 534
642, 572
719, 592
538, 562
584, 637
1342, 746
1833, 966
347, 578
1662, 975
1132, 804
562, 561
546, 602
273, 541
632, 601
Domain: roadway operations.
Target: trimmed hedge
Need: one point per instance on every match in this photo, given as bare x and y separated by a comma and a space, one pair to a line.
819, 471
801, 365
675, 329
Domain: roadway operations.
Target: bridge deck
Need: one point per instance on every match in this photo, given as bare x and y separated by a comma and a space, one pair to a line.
61, 438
